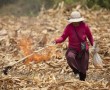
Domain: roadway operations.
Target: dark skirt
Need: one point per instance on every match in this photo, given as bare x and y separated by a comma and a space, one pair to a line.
73, 60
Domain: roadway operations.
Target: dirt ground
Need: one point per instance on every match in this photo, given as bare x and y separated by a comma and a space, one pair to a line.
49, 70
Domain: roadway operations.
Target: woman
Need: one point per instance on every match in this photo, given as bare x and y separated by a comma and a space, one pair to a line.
77, 54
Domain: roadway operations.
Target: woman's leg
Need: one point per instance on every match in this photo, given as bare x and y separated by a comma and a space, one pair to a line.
75, 70
84, 66
70, 56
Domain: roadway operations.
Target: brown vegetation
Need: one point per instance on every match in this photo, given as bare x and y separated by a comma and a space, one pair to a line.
53, 74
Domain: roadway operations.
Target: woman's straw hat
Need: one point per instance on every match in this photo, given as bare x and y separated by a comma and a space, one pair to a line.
76, 17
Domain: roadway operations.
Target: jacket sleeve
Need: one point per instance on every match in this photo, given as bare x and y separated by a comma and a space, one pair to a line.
89, 35
63, 36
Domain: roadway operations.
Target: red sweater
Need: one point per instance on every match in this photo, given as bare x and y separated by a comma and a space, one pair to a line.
83, 32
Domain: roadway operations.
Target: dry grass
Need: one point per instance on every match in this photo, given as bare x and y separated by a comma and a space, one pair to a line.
53, 74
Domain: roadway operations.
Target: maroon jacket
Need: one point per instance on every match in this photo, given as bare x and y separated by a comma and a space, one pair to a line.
83, 32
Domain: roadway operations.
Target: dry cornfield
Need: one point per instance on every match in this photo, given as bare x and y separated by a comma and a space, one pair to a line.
47, 69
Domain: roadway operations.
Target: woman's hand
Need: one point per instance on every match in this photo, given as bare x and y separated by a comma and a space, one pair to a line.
95, 48
53, 42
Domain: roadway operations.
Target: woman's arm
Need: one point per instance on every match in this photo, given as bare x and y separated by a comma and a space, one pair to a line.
63, 36
89, 35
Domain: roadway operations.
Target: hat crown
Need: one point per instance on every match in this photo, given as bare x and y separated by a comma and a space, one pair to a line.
75, 15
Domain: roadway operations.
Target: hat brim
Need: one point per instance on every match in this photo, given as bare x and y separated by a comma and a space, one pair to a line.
76, 20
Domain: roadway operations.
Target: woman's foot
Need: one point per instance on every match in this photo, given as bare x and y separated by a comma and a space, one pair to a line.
76, 75
82, 76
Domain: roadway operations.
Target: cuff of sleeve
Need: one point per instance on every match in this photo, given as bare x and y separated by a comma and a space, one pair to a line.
56, 41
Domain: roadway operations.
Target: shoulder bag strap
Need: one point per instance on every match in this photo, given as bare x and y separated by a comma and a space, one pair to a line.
77, 35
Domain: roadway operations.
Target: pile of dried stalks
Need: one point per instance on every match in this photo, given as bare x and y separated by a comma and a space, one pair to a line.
53, 74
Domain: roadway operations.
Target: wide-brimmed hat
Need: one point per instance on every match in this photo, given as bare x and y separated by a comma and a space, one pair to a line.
76, 17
